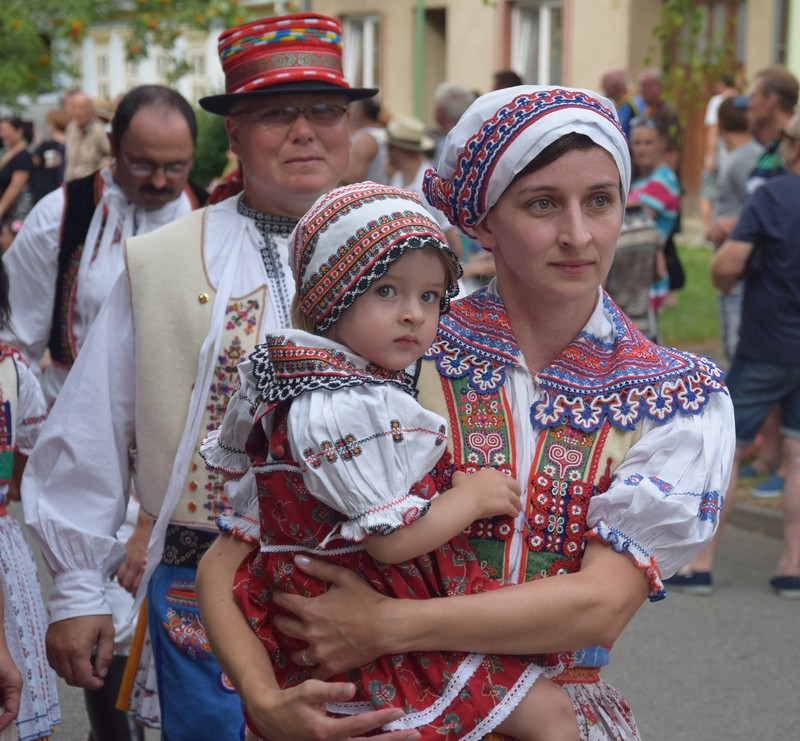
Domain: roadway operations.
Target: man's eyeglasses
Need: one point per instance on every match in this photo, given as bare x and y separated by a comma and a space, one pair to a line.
283, 116
141, 169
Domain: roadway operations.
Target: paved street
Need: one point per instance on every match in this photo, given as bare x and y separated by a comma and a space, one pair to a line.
719, 668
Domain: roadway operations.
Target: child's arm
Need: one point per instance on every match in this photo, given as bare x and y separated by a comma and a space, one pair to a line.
289, 714
483, 494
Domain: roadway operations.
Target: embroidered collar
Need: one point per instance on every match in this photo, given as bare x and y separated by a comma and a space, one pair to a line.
295, 362
610, 371
280, 226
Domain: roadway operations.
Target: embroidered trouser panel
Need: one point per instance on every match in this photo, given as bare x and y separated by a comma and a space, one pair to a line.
197, 700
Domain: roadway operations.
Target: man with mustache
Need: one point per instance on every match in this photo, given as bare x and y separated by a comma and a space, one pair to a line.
61, 267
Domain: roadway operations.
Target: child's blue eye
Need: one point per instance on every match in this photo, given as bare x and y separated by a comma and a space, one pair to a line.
384, 291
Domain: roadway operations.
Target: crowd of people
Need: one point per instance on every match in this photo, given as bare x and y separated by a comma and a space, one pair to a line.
255, 435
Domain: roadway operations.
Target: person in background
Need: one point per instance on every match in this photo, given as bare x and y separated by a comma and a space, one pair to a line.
651, 90
48, 157
407, 152
206, 287
62, 266
368, 158
450, 100
656, 190
743, 151
615, 85
766, 367
16, 168
87, 148
22, 414
505, 78
714, 153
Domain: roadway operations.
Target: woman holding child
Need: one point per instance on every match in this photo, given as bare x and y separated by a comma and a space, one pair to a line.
621, 449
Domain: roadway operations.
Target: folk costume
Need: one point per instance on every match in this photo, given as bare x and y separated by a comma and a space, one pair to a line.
22, 414
159, 368
62, 267
339, 449
57, 283
617, 440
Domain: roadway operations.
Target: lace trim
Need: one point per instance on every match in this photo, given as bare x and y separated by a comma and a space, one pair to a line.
621, 543
284, 370
222, 457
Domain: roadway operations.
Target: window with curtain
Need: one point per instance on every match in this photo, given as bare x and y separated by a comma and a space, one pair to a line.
360, 60
536, 28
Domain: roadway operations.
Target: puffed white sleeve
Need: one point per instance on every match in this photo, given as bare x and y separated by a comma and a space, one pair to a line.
362, 450
665, 498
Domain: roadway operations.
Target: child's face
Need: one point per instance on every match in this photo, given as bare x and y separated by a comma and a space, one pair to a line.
395, 321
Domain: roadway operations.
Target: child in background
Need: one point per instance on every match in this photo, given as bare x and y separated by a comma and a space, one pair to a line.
326, 424
22, 413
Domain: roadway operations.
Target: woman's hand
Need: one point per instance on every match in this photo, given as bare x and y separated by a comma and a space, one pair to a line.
299, 712
340, 625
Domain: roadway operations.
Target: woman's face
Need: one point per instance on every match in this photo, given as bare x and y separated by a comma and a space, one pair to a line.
553, 232
647, 148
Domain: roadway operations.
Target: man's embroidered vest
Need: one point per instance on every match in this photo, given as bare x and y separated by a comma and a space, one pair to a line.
172, 300
81, 197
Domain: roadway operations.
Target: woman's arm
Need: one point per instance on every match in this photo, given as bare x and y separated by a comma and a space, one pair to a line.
289, 714
600, 600
485, 493
18, 180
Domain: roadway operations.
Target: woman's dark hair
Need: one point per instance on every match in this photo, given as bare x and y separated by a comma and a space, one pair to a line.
557, 149
146, 96
26, 127
5, 308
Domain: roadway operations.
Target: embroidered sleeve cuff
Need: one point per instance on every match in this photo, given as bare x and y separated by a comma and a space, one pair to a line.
385, 519
244, 526
219, 455
77, 593
622, 543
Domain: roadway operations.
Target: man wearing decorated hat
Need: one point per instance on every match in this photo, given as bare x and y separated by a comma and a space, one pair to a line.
161, 362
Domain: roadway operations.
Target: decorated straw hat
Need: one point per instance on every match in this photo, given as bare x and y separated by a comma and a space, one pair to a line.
286, 54
348, 240
408, 133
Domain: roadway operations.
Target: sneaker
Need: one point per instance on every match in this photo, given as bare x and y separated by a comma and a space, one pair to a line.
692, 582
787, 587
772, 487
749, 472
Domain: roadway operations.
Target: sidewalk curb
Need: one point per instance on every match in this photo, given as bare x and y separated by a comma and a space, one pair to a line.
758, 519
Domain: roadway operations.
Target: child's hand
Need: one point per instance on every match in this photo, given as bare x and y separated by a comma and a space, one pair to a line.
490, 492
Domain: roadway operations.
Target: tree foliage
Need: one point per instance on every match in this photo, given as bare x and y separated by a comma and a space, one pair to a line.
40, 36
692, 58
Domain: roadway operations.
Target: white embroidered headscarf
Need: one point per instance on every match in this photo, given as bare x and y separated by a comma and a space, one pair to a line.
502, 132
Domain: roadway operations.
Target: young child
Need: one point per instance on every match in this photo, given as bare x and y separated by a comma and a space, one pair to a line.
22, 413
326, 422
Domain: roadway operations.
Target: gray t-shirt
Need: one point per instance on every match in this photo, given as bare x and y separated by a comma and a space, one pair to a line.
732, 180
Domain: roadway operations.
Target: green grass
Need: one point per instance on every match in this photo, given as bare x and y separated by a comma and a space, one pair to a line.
693, 323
